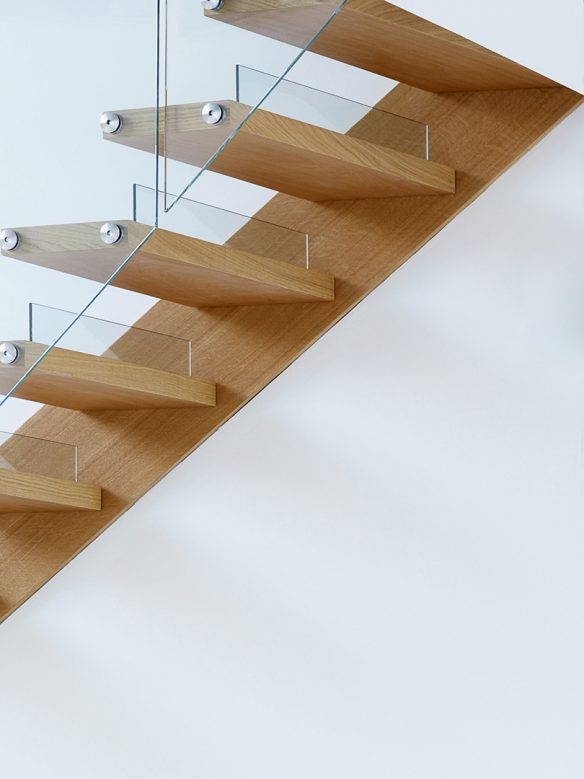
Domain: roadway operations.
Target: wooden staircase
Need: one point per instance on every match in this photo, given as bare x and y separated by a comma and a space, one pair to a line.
367, 209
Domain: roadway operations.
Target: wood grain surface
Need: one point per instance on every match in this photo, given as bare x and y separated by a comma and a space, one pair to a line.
179, 268
383, 38
294, 157
22, 491
74, 380
361, 242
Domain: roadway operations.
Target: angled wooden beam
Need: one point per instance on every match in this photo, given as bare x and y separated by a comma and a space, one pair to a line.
85, 382
173, 267
21, 491
385, 39
285, 154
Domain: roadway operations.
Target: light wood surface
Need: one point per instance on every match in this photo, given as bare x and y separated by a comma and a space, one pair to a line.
174, 267
77, 248
383, 38
75, 380
293, 157
245, 348
37, 455
31, 492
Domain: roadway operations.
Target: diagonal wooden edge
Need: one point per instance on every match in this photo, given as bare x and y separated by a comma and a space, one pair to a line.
383, 38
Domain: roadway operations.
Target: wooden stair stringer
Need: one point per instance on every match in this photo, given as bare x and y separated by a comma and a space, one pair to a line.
361, 242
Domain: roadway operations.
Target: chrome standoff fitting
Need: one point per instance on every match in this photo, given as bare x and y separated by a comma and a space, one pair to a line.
9, 239
9, 353
110, 122
110, 232
212, 113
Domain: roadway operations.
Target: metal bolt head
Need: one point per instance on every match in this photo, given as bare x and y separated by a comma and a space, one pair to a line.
8, 353
110, 232
211, 5
9, 240
110, 122
212, 113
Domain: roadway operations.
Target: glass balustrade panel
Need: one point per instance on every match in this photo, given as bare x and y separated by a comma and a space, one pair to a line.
69, 71
331, 112
229, 228
200, 114
111, 340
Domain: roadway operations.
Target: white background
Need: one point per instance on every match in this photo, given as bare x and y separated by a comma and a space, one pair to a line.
375, 569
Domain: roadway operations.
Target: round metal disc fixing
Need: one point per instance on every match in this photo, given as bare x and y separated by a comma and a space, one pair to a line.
212, 113
211, 5
110, 122
8, 353
9, 239
110, 232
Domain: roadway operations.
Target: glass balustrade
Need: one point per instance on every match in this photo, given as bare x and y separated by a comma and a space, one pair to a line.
110, 340
331, 112
65, 65
198, 118
228, 228
153, 92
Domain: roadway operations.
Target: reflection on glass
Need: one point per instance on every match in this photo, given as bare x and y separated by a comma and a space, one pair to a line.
110, 339
37, 455
331, 112
292, 21
227, 228
308, 20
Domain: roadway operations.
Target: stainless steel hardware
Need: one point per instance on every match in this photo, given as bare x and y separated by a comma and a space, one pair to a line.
211, 5
110, 232
110, 122
9, 353
9, 240
212, 113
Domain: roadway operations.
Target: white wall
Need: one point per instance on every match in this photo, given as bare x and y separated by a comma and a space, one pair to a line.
546, 37
342, 589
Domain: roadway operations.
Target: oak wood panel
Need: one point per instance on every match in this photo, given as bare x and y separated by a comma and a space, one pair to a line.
77, 248
21, 491
37, 455
174, 267
316, 164
294, 157
75, 380
362, 242
197, 273
383, 38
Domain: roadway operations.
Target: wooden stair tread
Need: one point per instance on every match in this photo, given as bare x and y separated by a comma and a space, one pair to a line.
173, 267
75, 380
286, 155
20, 491
382, 38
